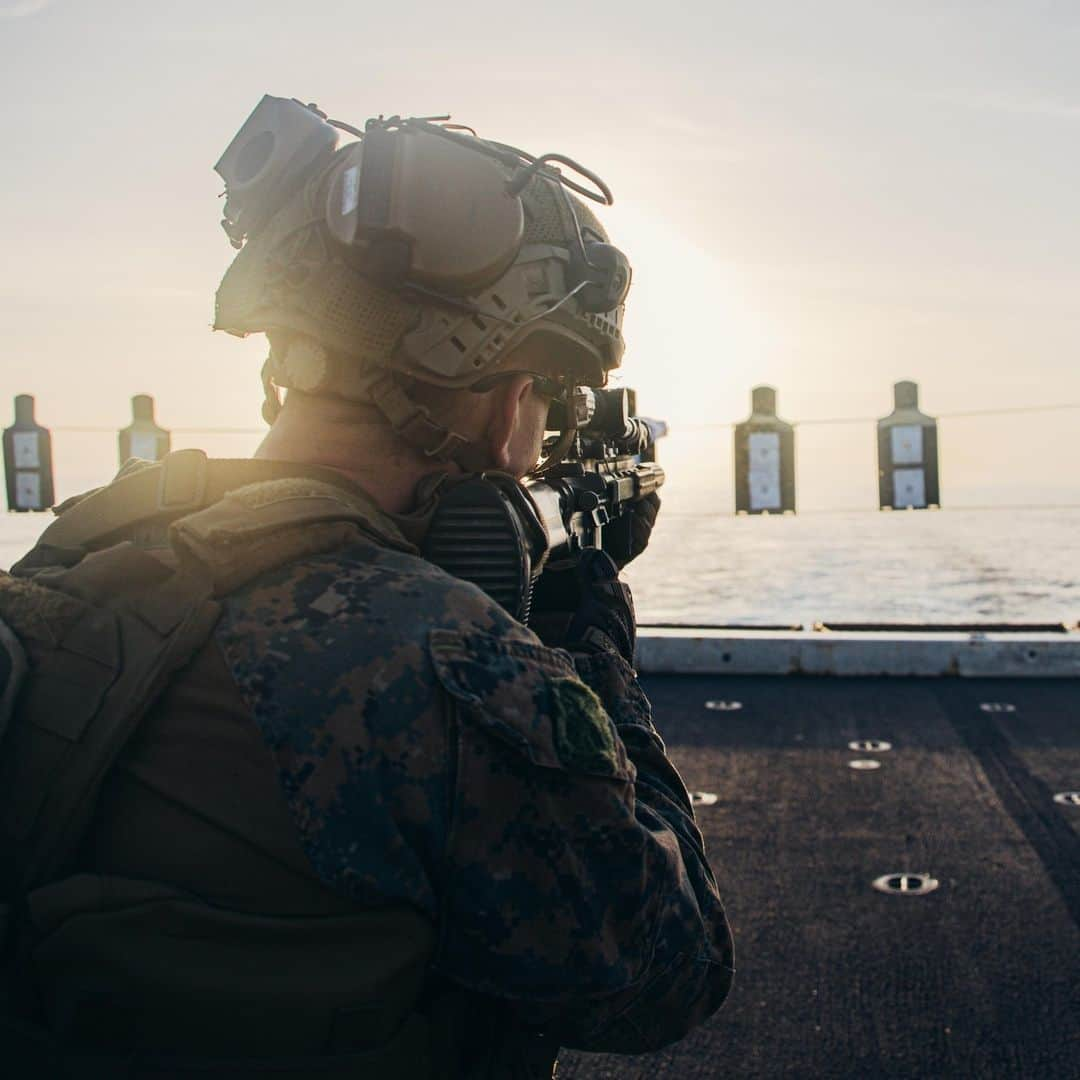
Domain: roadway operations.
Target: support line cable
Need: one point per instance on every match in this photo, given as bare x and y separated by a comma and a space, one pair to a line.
959, 414
81, 429
952, 508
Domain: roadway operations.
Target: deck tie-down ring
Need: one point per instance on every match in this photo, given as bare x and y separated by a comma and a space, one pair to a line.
905, 884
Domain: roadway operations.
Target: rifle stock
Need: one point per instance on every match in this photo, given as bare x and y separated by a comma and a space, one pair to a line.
500, 534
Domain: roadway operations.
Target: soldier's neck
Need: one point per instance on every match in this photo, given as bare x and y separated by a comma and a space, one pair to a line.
354, 440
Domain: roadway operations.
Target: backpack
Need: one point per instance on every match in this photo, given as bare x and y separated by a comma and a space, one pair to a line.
135, 977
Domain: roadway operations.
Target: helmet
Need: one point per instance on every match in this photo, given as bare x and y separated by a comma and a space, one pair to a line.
419, 252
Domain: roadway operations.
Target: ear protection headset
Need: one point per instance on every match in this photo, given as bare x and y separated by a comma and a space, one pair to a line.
416, 204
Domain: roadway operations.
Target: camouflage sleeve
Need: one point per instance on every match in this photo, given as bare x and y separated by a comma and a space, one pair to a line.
432, 751
578, 884
663, 805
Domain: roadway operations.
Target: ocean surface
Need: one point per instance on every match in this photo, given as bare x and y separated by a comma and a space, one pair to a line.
951, 565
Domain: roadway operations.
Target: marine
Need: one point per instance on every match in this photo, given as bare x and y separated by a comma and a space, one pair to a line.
277, 792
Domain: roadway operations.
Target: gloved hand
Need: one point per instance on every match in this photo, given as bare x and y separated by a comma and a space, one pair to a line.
585, 606
629, 537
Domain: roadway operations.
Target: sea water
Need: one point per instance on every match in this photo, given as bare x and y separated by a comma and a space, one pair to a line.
706, 567
929, 566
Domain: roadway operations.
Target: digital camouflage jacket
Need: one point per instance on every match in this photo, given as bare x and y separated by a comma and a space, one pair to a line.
432, 750
363, 731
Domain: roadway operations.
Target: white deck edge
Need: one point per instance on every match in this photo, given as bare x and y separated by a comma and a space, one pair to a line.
681, 651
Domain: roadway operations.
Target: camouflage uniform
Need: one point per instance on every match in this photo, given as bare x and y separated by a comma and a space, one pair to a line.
360, 734
432, 750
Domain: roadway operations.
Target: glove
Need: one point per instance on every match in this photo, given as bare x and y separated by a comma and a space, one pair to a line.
629, 536
585, 607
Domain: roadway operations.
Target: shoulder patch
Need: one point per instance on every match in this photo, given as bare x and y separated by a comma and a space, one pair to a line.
584, 739
529, 696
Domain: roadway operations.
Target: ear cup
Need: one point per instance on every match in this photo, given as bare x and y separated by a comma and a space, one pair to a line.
607, 270
408, 206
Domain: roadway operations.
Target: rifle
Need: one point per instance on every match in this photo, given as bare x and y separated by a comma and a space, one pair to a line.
500, 533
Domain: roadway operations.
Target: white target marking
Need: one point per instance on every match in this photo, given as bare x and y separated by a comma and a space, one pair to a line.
27, 447
28, 491
997, 706
864, 764
724, 706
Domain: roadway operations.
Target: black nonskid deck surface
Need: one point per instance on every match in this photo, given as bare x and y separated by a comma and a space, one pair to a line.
980, 978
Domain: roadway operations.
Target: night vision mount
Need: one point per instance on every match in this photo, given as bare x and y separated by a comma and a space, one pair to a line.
415, 203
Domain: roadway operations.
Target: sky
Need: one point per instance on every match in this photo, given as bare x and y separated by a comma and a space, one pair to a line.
823, 196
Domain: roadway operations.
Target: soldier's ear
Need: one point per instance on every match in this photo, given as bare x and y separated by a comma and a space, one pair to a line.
509, 395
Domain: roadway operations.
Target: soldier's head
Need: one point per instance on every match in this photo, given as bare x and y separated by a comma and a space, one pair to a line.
449, 283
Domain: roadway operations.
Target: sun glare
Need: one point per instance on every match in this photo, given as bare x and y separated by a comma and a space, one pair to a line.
694, 339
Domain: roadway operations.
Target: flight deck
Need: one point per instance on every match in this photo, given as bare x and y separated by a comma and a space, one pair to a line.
900, 862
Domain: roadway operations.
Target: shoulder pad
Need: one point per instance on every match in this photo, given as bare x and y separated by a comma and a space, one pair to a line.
265, 525
146, 498
529, 696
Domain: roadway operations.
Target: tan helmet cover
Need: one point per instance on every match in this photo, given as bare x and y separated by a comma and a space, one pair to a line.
335, 330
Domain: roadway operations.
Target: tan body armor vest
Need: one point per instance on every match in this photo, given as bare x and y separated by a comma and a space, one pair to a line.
122, 592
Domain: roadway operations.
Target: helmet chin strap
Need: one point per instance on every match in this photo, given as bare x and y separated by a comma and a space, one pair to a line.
556, 455
565, 442
410, 420
414, 423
